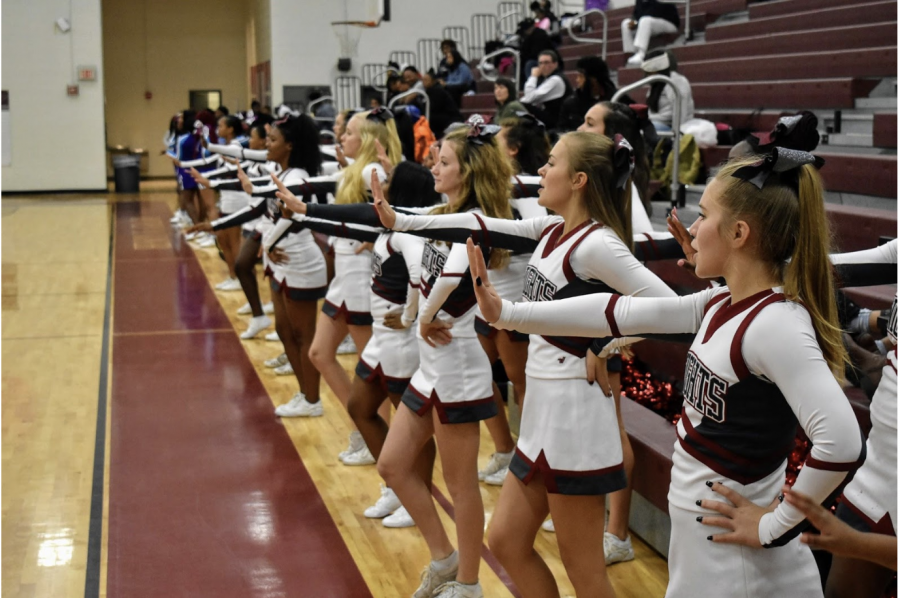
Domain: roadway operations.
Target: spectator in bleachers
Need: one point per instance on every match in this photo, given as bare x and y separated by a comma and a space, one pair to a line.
444, 110
524, 139
507, 105
534, 40
546, 89
396, 85
413, 78
662, 97
592, 85
454, 74
650, 17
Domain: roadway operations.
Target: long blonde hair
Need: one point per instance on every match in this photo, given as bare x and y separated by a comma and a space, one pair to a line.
352, 188
794, 238
593, 155
486, 182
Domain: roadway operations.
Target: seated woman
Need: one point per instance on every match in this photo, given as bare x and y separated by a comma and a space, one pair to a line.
662, 97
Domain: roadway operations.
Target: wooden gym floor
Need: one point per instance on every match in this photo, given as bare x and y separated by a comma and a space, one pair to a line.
140, 453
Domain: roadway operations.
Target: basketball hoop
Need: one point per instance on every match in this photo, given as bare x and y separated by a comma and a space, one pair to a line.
348, 32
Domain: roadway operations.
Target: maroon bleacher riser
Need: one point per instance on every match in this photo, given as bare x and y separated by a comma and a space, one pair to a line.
885, 130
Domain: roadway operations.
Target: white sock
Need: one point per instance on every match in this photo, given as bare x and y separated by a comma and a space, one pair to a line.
260, 319
448, 562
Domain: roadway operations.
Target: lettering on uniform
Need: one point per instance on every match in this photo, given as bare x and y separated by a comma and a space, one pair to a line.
703, 390
433, 261
537, 287
892, 321
376, 265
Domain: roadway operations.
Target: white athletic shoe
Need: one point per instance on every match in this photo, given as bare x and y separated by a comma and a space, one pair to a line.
298, 406
284, 370
276, 361
356, 444
257, 325
498, 461
244, 310
207, 242
496, 478
435, 575
178, 218
347, 346
616, 550
219, 285
635, 60
192, 236
547, 526
454, 589
386, 504
268, 308
273, 336
399, 518
230, 284
360, 457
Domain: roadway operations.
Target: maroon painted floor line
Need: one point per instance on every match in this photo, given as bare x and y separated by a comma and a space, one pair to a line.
208, 496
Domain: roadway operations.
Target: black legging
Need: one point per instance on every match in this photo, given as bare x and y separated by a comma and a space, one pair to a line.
244, 268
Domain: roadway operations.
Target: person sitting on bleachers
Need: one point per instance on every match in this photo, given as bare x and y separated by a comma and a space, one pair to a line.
444, 111
533, 41
507, 105
650, 17
546, 89
454, 73
661, 99
413, 78
592, 85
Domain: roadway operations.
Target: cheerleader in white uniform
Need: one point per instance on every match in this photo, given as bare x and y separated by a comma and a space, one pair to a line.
869, 502
767, 350
347, 301
391, 356
569, 454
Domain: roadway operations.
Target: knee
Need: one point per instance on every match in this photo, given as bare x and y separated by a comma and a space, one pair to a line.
501, 544
319, 356
359, 411
388, 470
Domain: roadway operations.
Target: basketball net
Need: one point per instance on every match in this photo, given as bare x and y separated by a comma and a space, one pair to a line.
348, 33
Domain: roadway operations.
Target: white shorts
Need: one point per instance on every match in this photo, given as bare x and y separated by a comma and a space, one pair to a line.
348, 292
391, 357
233, 201
304, 276
455, 379
699, 567
570, 433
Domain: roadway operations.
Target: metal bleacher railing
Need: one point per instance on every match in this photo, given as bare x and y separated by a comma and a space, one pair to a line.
688, 32
412, 92
429, 52
375, 76
402, 57
508, 16
491, 73
675, 187
347, 92
459, 34
590, 40
484, 29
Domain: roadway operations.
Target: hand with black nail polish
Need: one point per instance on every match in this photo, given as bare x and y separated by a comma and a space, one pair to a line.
739, 516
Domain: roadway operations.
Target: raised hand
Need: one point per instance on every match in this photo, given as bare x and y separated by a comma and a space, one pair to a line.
385, 212
195, 174
383, 158
203, 227
488, 299
684, 238
245, 180
289, 199
339, 155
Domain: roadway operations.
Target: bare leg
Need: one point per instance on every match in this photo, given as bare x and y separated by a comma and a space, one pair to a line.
323, 353
579, 531
497, 426
852, 578
397, 466
458, 445
208, 201
302, 316
284, 327
620, 500
229, 241
517, 518
187, 199
513, 355
245, 270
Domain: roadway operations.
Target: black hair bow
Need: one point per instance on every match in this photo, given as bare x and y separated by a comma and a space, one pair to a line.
380, 114
623, 161
783, 162
797, 132
480, 132
530, 118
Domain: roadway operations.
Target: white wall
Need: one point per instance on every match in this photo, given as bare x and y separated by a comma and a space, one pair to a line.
57, 140
305, 49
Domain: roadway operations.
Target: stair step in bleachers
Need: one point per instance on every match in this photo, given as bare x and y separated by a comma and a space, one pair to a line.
874, 12
884, 130
787, 7
754, 120
868, 62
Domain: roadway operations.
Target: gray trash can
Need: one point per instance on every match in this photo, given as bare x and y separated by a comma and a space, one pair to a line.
127, 169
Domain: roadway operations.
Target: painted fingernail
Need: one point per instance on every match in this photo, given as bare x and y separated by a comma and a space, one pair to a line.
709, 484
698, 503
709, 538
700, 519
781, 498
478, 280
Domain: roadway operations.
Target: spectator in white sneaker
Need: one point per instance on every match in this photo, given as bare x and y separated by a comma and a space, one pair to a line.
650, 17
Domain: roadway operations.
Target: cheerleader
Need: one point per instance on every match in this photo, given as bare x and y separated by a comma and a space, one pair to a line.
347, 301
569, 455
187, 146
452, 389
765, 358
391, 356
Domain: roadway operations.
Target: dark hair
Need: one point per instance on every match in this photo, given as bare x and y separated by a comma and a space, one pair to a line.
208, 118
531, 141
303, 134
224, 110
264, 119
260, 129
394, 79
404, 123
622, 120
509, 85
457, 59
448, 42
593, 67
187, 121
411, 68
234, 123
412, 186
553, 55
254, 105
656, 89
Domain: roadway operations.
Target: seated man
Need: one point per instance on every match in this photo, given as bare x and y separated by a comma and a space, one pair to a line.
650, 17
546, 89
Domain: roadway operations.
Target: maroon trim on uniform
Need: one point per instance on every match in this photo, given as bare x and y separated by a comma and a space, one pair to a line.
541, 464
570, 350
883, 526
378, 373
552, 233
567, 267
729, 311
442, 408
381, 288
652, 244
829, 466
387, 243
611, 316
333, 311
452, 274
715, 465
485, 233
522, 188
737, 358
695, 436
714, 300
